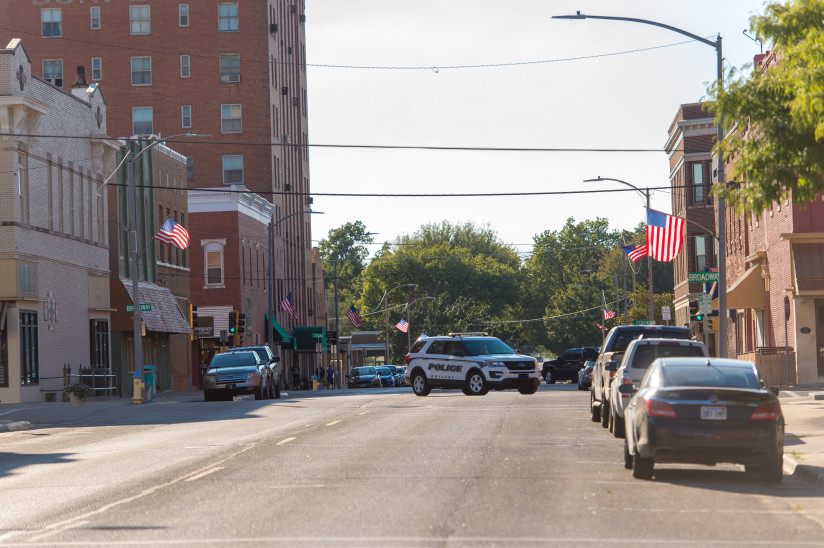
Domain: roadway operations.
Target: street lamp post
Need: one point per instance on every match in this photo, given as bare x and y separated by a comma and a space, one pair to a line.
645, 192
722, 208
137, 317
603, 302
386, 305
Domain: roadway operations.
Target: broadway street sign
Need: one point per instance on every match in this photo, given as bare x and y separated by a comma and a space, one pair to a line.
702, 277
144, 307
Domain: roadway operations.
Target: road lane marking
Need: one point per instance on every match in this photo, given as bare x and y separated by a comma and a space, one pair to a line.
204, 473
363, 412
13, 411
333, 423
287, 440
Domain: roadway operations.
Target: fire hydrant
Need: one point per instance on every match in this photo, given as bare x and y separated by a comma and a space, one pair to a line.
137, 396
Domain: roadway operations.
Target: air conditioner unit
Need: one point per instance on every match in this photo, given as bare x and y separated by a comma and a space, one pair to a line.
273, 28
287, 187
293, 8
295, 101
230, 77
286, 138
284, 90
302, 18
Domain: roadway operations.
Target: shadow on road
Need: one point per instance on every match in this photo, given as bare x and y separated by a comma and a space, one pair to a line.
733, 481
16, 461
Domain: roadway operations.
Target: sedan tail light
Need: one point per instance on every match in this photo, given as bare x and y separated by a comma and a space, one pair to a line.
658, 408
767, 411
406, 359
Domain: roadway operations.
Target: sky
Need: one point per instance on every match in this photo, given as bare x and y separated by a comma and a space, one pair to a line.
596, 93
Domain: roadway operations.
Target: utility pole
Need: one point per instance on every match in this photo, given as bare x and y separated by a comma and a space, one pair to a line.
134, 271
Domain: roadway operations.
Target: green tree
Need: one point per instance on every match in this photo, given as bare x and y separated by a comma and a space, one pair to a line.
777, 113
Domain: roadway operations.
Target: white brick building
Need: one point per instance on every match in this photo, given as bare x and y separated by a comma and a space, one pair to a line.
54, 270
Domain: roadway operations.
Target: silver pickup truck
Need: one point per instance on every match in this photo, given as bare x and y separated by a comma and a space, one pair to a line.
612, 350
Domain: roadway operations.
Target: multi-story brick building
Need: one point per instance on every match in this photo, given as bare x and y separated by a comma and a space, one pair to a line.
689, 145
775, 282
54, 272
231, 70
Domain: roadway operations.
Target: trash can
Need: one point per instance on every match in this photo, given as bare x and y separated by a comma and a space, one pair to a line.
149, 382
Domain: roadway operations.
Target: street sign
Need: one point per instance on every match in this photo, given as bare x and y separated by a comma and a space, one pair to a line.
643, 322
144, 307
702, 277
704, 303
665, 313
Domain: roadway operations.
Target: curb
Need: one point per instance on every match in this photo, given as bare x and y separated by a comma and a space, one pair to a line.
802, 471
15, 426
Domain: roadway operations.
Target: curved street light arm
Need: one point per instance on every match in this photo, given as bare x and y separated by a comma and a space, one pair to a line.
701, 39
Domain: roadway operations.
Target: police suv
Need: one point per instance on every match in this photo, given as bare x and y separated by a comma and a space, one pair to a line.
473, 362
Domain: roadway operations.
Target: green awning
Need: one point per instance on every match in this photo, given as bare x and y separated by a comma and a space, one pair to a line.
281, 336
310, 338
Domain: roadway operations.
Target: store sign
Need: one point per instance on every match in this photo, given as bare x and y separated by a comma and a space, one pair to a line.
205, 328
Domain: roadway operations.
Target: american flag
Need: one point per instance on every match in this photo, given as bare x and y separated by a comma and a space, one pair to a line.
286, 305
664, 235
635, 252
403, 325
608, 314
352, 314
601, 327
173, 233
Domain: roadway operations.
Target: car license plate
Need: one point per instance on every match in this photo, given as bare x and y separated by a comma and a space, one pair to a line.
713, 413
523, 376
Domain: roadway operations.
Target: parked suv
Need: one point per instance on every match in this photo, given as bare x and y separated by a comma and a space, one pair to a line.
566, 366
233, 373
615, 343
473, 362
639, 355
265, 353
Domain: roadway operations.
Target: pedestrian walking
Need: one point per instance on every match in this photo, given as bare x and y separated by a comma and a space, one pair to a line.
295, 377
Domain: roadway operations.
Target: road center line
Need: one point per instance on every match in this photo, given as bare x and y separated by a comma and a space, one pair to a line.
333, 423
287, 440
204, 473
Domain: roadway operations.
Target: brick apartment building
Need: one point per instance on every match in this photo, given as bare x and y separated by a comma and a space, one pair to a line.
54, 271
232, 70
689, 145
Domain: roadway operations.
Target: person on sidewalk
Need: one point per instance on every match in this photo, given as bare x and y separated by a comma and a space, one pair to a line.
330, 376
295, 377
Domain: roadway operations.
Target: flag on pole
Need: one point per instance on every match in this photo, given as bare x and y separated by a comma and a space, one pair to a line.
635, 252
352, 314
664, 235
608, 314
601, 327
173, 233
403, 325
286, 305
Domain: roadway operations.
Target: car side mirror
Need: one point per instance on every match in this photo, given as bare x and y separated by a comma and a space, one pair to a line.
626, 389
611, 366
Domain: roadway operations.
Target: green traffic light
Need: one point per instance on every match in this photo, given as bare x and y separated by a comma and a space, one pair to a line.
231, 330
699, 317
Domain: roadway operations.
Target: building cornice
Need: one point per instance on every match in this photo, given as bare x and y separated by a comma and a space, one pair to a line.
248, 203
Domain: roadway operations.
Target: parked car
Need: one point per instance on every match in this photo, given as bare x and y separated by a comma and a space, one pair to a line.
639, 355
401, 369
566, 366
585, 376
234, 373
615, 343
265, 353
704, 411
363, 377
387, 375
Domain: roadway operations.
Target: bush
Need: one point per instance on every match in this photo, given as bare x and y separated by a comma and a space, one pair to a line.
79, 389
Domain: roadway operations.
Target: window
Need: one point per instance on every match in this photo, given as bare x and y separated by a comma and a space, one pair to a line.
53, 71
759, 328
99, 343
141, 71
214, 264
698, 183
51, 23
186, 117
227, 17
29, 364
94, 16
232, 170
22, 179
190, 168
230, 121
185, 68
142, 121
28, 278
183, 15
97, 68
230, 67
700, 254
139, 22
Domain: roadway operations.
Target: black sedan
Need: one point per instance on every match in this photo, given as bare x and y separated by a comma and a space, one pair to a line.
704, 411
363, 377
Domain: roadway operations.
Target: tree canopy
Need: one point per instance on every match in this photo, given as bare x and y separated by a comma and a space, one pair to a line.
777, 111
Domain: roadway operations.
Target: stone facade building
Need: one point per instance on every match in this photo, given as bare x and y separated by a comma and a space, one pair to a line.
54, 271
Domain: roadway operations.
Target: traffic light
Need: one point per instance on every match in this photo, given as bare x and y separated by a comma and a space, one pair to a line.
695, 315
232, 322
241, 323
193, 315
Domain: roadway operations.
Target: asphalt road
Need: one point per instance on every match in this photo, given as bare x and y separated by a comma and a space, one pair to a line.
375, 468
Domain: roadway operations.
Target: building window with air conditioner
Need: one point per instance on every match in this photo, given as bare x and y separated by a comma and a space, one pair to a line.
141, 71
186, 116
233, 170
230, 119
51, 23
185, 66
142, 121
139, 20
97, 68
53, 71
227, 17
229, 67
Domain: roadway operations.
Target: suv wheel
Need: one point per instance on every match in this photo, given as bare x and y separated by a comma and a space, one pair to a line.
641, 467
476, 383
605, 412
260, 393
530, 389
419, 385
550, 376
594, 409
277, 390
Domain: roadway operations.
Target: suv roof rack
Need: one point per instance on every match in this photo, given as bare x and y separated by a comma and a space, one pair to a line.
470, 334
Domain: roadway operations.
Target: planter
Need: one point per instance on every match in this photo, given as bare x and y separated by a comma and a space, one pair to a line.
76, 401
